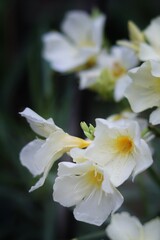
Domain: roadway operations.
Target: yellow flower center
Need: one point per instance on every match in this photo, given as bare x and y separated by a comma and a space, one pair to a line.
94, 177
124, 144
118, 70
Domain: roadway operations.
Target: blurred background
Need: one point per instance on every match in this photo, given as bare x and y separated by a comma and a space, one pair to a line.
27, 80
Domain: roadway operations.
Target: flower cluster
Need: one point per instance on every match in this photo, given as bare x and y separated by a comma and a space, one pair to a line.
117, 148
99, 166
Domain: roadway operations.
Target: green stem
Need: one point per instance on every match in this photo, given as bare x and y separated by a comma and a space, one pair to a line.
92, 236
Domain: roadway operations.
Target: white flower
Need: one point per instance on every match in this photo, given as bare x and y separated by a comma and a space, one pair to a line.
126, 227
79, 45
151, 49
119, 148
110, 72
40, 154
144, 91
87, 187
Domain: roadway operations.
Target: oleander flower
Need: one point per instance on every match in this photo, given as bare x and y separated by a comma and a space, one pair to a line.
79, 44
144, 91
109, 76
119, 148
126, 227
87, 187
40, 154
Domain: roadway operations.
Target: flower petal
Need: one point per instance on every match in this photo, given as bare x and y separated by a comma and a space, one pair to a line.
97, 29
42, 179
146, 52
70, 190
51, 150
77, 26
120, 87
95, 208
155, 117
119, 169
152, 229
124, 227
88, 77
70, 186
144, 160
70, 63
27, 156
152, 32
56, 46
38, 124
155, 68
142, 92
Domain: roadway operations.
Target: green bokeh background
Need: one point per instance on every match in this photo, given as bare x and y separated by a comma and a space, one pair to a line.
27, 80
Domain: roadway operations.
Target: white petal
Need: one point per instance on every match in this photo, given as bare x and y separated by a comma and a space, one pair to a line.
142, 93
57, 47
70, 63
70, 190
97, 29
54, 147
68, 168
42, 179
38, 124
152, 32
88, 77
120, 87
152, 230
155, 68
27, 156
155, 117
125, 56
119, 169
124, 227
95, 208
146, 52
77, 26
78, 155
143, 158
